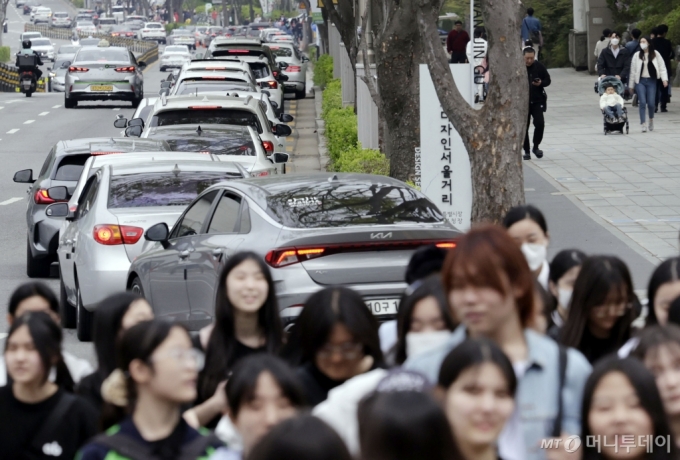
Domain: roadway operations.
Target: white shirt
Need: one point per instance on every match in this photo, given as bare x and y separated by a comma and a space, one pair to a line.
511, 440
615, 51
388, 335
645, 69
78, 368
544, 276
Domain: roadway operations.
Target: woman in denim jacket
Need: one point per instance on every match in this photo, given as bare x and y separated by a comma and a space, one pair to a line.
490, 289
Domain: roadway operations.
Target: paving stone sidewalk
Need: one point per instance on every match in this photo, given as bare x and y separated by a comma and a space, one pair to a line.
631, 181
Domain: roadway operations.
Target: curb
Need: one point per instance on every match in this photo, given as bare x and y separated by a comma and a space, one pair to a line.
324, 159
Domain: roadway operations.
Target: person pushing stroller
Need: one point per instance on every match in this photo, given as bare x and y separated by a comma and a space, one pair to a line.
611, 103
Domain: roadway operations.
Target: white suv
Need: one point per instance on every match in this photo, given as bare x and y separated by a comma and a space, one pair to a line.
153, 31
41, 14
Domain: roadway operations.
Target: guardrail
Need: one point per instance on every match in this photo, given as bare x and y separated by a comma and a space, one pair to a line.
9, 79
146, 51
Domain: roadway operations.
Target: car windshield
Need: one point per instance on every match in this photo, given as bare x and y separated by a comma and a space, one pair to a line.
207, 116
31, 36
281, 51
41, 42
191, 87
343, 204
161, 188
215, 142
104, 55
153, 26
68, 49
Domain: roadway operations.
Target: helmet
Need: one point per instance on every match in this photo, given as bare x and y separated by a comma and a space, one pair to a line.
26, 44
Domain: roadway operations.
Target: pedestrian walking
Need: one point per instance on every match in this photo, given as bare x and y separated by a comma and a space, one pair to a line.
602, 44
646, 67
531, 30
456, 42
491, 290
614, 61
424, 321
659, 351
40, 419
621, 399
603, 307
633, 45
36, 296
478, 384
262, 392
528, 228
539, 78
664, 48
155, 378
564, 269
246, 322
114, 315
334, 339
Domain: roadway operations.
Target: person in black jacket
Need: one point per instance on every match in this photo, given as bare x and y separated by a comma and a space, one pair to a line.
663, 46
539, 78
614, 61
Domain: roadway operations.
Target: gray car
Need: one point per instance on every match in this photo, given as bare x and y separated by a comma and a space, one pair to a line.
62, 167
104, 73
313, 230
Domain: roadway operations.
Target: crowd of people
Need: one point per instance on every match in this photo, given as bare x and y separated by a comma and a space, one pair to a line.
494, 350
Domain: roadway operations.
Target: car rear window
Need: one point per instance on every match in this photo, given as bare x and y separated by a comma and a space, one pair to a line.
207, 116
70, 167
192, 87
153, 26
161, 189
281, 51
328, 204
104, 55
41, 42
214, 143
60, 15
260, 70
237, 52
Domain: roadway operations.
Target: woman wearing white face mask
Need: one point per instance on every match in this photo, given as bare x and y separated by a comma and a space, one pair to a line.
564, 270
526, 225
646, 68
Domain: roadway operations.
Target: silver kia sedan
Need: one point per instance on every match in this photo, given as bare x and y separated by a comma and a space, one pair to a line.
314, 230
118, 203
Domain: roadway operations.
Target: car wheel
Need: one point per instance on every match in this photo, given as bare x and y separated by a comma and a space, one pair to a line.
36, 268
66, 311
301, 94
70, 103
83, 318
163, 69
136, 287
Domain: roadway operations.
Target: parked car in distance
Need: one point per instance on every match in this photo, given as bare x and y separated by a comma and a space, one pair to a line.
61, 19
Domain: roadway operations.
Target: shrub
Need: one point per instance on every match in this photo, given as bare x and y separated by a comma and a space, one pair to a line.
362, 160
341, 131
332, 98
323, 71
5, 54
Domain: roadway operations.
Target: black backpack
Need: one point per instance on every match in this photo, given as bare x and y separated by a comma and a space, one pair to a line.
125, 446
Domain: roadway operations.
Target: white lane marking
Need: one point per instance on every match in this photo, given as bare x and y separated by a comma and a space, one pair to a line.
15, 100
28, 122
43, 114
10, 201
56, 106
12, 131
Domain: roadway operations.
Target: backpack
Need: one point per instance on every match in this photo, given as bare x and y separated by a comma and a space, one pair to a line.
129, 448
534, 35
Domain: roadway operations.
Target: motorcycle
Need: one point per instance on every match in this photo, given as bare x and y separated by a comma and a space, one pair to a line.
27, 82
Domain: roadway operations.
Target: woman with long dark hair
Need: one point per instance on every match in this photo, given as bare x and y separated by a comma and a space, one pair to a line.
527, 226
564, 270
646, 67
246, 322
40, 418
602, 309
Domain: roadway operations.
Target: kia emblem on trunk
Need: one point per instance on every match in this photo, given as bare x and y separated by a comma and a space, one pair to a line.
381, 236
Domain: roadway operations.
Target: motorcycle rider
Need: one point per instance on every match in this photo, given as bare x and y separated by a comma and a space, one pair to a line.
26, 50
75, 39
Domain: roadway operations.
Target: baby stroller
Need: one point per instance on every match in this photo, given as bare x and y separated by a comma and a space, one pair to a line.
613, 124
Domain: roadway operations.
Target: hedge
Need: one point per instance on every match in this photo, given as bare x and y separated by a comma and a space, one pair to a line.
323, 71
343, 144
5, 54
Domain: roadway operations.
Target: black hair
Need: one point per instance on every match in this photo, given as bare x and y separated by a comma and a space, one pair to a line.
301, 438
528, 49
668, 271
601, 277
530, 11
321, 312
458, 22
650, 49
635, 33
479, 32
425, 261
663, 29
242, 384
653, 337
519, 213
647, 392
674, 312
472, 353
564, 261
605, 34
432, 287
404, 425
47, 338
655, 31
614, 33
106, 329
220, 357
31, 289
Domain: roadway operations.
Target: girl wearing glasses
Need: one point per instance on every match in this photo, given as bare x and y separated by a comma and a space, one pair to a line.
334, 339
156, 376
602, 309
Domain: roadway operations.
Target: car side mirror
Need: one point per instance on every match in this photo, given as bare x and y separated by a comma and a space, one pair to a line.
282, 77
278, 158
274, 104
25, 176
282, 65
141, 65
305, 59
133, 131
120, 122
49, 69
136, 122
286, 117
59, 193
282, 130
57, 210
159, 232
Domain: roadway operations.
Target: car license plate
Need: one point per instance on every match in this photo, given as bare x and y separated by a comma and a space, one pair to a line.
383, 306
101, 87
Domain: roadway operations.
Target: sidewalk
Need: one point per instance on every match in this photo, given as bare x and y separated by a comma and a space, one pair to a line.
631, 182
302, 145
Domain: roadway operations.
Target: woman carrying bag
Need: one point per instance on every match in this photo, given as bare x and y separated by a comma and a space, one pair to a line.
646, 68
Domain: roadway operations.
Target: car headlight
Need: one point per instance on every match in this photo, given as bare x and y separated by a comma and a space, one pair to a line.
52, 74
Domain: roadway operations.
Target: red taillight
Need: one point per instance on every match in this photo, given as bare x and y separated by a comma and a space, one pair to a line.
268, 146
282, 257
269, 84
293, 68
238, 51
448, 245
145, 30
276, 73
110, 235
261, 174
78, 69
205, 107
42, 197
125, 69
213, 78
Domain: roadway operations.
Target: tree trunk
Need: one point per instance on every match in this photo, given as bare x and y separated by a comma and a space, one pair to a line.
493, 135
343, 17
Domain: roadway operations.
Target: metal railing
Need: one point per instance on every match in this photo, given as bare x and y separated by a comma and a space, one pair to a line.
9, 80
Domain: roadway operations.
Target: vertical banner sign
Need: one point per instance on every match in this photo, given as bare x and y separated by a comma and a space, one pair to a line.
418, 172
445, 176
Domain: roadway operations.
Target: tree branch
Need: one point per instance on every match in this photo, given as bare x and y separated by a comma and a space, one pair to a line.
344, 19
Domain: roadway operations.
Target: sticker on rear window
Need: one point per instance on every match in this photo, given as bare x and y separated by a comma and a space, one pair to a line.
302, 202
